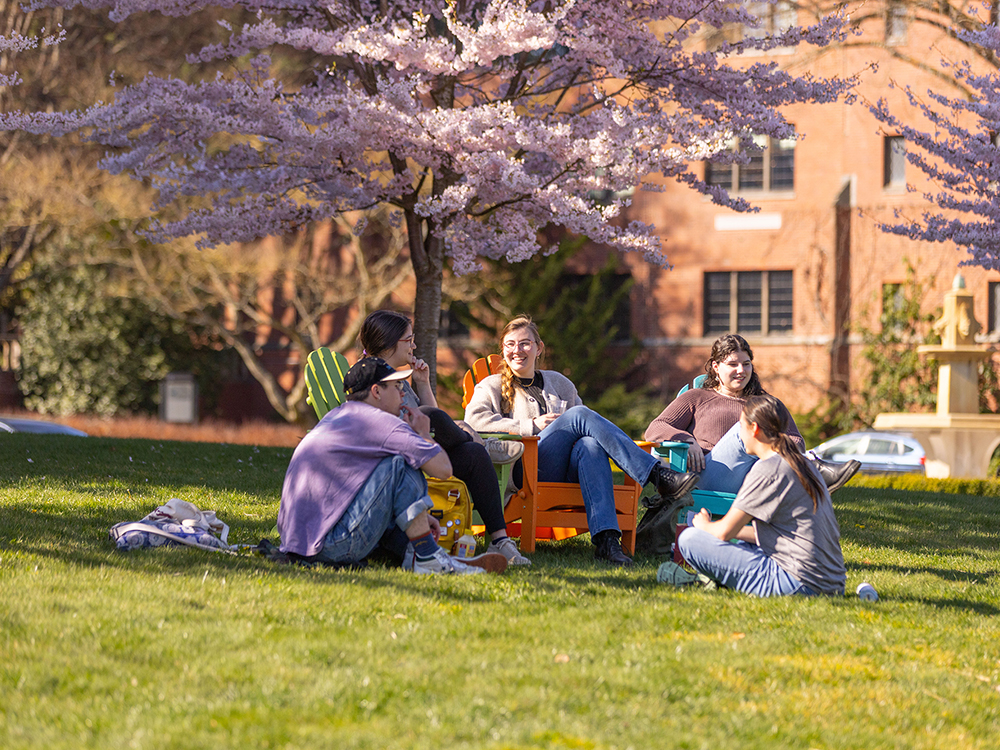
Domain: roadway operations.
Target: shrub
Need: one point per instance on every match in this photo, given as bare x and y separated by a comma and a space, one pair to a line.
86, 349
919, 483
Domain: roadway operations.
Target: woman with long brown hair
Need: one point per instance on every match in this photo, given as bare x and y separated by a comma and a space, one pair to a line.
574, 442
707, 419
792, 543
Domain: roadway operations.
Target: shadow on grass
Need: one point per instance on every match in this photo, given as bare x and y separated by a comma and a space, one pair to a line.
960, 576
142, 465
964, 605
78, 536
917, 521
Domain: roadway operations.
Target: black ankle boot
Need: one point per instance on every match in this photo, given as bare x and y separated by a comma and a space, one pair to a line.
608, 547
836, 475
672, 484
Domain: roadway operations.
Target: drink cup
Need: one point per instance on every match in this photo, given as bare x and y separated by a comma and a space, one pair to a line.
867, 592
554, 404
465, 546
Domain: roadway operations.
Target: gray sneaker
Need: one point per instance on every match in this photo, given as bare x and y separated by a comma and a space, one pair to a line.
673, 574
508, 548
443, 563
504, 451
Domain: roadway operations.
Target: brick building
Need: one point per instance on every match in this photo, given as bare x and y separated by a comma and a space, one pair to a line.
796, 276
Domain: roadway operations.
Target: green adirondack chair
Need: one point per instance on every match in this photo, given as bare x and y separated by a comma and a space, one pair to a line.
325, 371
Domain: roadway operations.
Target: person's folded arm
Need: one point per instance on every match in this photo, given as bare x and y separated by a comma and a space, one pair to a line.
483, 414
672, 423
438, 467
728, 527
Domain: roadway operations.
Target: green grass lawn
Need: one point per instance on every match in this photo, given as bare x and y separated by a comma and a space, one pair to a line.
180, 648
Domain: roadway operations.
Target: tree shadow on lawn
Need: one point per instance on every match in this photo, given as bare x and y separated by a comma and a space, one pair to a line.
142, 465
918, 521
41, 537
79, 536
960, 576
980, 608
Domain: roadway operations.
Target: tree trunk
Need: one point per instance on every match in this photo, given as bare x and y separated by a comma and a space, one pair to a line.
289, 406
427, 257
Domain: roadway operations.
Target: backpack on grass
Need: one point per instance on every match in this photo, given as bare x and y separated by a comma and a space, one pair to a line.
452, 508
657, 528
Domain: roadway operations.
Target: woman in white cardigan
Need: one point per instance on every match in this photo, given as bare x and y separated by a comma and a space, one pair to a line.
574, 443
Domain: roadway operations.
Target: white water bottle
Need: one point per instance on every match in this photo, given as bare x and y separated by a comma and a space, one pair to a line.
867, 592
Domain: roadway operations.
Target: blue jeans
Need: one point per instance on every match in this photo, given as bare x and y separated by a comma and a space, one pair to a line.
741, 566
395, 492
576, 448
727, 464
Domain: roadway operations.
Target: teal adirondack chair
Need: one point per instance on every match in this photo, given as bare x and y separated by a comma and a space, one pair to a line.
675, 453
696, 383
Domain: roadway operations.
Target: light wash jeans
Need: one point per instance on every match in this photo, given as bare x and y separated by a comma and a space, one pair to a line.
738, 565
395, 492
576, 448
727, 464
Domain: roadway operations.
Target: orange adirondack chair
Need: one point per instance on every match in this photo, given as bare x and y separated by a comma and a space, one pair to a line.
552, 510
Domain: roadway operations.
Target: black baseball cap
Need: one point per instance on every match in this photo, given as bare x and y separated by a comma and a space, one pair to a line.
369, 371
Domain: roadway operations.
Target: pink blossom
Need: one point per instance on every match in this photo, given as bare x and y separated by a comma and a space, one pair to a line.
959, 151
483, 123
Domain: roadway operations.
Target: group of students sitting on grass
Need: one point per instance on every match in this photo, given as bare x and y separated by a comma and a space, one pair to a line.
356, 482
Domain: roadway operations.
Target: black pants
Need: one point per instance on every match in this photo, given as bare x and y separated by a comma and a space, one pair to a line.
471, 463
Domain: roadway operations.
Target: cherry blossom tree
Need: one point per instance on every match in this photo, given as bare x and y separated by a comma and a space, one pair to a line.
479, 122
957, 148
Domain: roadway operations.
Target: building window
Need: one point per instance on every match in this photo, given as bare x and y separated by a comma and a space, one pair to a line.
771, 169
775, 18
894, 306
748, 302
896, 22
994, 308
893, 161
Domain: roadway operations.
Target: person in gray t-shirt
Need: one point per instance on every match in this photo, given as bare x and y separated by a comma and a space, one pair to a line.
792, 542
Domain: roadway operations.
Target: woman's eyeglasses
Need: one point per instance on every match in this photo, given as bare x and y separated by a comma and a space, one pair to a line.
510, 346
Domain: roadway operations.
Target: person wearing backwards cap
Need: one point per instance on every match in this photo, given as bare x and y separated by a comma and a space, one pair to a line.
359, 471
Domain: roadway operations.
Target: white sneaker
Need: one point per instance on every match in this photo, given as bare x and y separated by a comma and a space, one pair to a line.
508, 548
503, 451
445, 564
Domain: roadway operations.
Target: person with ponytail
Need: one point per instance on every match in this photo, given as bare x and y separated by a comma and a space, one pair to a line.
389, 335
574, 443
792, 543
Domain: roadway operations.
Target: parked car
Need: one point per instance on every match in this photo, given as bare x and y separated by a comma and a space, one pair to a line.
18, 424
878, 452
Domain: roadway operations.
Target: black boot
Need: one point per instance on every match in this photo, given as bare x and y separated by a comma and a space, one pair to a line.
672, 484
836, 475
608, 547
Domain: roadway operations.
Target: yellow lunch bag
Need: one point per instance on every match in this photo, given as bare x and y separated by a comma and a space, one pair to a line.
452, 508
